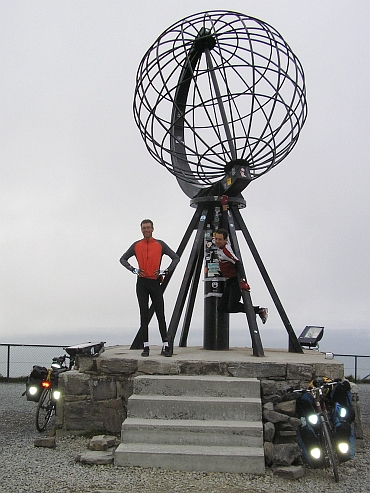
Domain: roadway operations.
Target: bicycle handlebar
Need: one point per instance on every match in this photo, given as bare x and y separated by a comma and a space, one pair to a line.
312, 389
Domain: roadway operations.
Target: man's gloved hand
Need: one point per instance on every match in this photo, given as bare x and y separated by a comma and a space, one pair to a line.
161, 274
135, 271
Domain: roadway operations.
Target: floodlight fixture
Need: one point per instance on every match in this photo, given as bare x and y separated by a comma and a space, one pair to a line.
310, 336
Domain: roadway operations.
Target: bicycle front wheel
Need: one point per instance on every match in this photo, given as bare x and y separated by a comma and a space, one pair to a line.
45, 410
333, 459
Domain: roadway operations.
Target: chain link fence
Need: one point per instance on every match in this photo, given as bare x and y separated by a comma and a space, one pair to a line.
17, 360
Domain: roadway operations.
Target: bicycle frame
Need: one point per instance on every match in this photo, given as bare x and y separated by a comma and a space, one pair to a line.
316, 431
46, 407
42, 384
326, 429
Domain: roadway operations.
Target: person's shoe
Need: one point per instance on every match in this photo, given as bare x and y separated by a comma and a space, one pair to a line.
244, 285
166, 351
263, 313
145, 351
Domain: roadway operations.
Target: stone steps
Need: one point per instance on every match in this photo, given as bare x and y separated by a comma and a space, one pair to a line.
206, 385
248, 460
192, 407
193, 423
194, 432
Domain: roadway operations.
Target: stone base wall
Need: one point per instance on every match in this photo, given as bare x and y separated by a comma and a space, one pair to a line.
94, 396
92, 403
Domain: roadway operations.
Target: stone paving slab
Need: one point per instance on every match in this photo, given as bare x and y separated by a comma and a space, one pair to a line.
96, 457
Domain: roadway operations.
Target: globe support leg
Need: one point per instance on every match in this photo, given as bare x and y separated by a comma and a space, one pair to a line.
196, 251
251, 316
191, 301
294, 345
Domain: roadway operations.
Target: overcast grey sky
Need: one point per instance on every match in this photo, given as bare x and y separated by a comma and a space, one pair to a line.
76, 178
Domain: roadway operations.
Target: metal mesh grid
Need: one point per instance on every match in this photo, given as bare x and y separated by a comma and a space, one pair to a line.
217, 87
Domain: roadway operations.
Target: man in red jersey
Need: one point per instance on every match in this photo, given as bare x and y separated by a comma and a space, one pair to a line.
228, 264
148, 253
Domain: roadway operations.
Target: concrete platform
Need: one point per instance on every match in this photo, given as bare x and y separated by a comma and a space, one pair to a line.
198, 353
236, 362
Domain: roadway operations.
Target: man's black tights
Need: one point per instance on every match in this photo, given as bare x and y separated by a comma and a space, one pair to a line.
146, 288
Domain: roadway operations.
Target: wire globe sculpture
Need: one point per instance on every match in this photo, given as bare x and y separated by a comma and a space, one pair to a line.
219, 88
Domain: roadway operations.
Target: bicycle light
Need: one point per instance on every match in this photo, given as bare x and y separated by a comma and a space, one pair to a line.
343, 447
33, 390
343, 412
343, 451
56, 394
315, 452
313, 419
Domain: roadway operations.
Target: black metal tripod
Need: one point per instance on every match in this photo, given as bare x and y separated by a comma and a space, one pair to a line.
232, 221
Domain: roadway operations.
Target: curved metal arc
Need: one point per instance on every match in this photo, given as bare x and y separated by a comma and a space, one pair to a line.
177, 145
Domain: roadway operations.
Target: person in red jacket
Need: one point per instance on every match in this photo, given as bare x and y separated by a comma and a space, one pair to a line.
148, 253
228, 265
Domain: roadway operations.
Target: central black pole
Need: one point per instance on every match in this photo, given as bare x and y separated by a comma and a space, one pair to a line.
216, 323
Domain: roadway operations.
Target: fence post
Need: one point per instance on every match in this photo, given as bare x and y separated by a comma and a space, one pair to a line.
8, 365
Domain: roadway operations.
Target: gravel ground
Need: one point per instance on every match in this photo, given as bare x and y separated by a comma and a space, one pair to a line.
25, 468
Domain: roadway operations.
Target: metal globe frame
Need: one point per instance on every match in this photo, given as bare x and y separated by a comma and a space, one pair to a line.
220, 100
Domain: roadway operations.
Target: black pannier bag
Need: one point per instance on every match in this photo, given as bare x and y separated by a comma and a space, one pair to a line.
307, 434
341, 397
37, 375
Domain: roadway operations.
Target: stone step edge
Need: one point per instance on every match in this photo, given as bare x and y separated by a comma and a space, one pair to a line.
196, 423
175, 450
206, 378
194, 398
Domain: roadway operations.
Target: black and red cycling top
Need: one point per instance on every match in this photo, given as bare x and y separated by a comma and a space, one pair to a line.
227, 261
149, 253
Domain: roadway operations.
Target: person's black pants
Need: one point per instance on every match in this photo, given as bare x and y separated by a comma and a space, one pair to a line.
146, 288
229, 301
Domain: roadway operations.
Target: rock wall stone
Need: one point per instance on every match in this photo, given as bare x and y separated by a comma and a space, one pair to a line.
95, 394
93, 402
